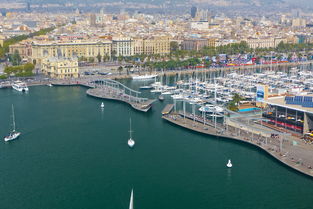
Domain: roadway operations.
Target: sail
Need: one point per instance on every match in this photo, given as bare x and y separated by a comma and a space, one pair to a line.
131, 202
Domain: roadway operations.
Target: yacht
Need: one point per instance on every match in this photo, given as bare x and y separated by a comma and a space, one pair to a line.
13, 134
229, 164
20, 86
144, 77
130, 141
161, 97
146, 87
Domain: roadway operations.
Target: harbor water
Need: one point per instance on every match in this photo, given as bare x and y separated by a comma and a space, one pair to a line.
73, 154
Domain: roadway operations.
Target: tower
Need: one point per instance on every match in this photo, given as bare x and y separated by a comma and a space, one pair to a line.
193, 11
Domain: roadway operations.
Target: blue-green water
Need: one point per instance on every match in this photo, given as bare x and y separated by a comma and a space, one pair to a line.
73, 155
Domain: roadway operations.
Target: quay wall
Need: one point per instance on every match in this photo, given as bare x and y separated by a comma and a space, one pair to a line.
213, 132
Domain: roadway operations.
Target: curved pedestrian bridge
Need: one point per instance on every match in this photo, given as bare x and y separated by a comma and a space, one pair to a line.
111, 89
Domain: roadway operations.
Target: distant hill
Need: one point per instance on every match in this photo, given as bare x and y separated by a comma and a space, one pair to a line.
218, 3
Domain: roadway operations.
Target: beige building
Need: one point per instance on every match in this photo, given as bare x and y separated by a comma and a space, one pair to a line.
155, 45
85, 49
2, 38
60, 68
24, 49
264, 42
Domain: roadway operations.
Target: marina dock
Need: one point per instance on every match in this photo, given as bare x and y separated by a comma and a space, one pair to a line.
167, 109
231, 131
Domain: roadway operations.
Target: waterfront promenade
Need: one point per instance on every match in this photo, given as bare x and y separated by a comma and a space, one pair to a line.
296, 157
189, 71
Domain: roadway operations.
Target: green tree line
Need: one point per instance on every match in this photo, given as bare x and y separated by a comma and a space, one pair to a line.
19, 71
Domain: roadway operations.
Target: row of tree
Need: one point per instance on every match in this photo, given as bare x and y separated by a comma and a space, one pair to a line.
19, 70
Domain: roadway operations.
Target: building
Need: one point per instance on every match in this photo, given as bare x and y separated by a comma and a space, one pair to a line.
24, 49
194, 44
93, 20
293, 113
264, 42
155, 45
193, 12
298, 22
2, 38
60, 67
122, 46
86, 49
199, 25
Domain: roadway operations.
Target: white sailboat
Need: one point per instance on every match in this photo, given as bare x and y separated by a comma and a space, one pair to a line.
229, 164
131, 201
102, 105
13, 134
130, 141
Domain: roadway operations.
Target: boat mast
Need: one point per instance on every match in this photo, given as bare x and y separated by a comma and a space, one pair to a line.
130, 128
13, 118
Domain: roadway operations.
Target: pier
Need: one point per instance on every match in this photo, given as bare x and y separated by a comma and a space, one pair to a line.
167, 109
279, 148
111, 90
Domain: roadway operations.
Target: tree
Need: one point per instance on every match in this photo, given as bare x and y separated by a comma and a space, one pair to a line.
120, 69
174, 46
91, 59
99, 57
16, 58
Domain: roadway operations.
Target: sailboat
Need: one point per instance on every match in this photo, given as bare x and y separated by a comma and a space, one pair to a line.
229, 164
130, 142
131, 202
13, 134
102, 105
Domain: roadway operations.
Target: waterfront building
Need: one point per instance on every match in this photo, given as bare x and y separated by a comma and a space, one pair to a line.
60, 67
194, 44
154, 45
24, 49
122, 46
264, 42
86, 49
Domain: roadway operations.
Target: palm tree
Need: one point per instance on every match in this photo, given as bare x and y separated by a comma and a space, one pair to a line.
120, 69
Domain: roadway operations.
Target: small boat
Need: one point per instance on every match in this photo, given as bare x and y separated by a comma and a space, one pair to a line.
102, 105
20, 86
146, 87
161, 97
229, 165
130, 141
49, 84
144, 77
131, 201
166, 93
13, 134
